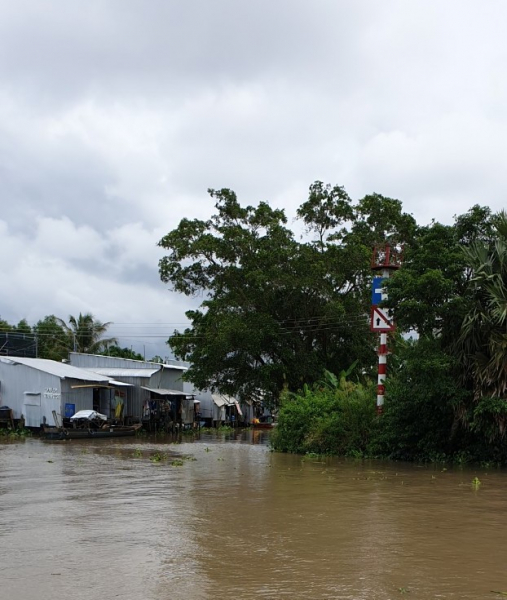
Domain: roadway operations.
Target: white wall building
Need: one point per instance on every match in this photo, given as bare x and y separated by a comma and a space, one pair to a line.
35, 387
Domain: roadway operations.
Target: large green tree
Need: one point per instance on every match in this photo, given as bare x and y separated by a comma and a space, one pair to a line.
276, 310
5, 326
483, 341
452, 291
53, 339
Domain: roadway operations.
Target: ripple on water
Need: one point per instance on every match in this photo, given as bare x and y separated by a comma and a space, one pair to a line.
95, 520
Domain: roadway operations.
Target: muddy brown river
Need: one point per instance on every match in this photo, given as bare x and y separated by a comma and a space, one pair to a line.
223, 517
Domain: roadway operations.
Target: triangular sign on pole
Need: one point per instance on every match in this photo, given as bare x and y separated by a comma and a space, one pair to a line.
381, 319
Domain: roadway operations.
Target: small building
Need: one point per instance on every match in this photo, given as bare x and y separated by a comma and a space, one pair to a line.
217, 409
155, 391
34, 388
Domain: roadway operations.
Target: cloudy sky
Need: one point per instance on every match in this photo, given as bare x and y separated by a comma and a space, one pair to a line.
116, 116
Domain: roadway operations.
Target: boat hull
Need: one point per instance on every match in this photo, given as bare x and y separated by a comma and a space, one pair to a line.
84, 434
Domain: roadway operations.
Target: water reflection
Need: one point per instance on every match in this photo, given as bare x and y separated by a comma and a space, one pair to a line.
101, 520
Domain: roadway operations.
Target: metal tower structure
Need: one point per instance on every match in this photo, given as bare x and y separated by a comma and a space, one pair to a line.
386, 259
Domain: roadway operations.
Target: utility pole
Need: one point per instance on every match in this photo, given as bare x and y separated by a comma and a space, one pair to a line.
385, 261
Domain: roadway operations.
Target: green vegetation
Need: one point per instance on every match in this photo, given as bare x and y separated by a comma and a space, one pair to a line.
52, 338
426, 417
219, 429
15, 433
115, 350
86, 333
282, 312
278, 310
158, 457
327, 421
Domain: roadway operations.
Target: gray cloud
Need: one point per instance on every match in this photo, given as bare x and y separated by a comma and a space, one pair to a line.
117, 115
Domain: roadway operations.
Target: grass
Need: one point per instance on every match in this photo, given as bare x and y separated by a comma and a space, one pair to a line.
221, 429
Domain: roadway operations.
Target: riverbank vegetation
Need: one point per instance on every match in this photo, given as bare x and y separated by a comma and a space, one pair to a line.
446, 391
16, 433
281, 308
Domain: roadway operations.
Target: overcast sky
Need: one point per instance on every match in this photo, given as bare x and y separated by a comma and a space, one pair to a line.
116, 116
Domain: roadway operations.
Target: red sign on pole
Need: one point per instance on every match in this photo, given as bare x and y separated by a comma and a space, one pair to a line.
381, 319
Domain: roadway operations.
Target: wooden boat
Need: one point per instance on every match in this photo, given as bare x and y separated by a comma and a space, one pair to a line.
87, 424
111, 431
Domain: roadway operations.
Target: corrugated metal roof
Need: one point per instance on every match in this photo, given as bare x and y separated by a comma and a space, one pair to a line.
62, 370
100, 358
115, 383
164, 391
108, 383
222, 400
119, 372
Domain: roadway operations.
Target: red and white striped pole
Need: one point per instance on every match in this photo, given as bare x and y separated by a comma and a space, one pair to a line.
385, 259
382, 357
382, 372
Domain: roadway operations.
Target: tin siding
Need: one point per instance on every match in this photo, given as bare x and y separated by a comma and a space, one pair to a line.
16, 379
89, 361
135, 396
82, 397
171, 380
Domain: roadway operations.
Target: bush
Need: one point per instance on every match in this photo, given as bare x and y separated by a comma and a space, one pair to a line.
428, 415
423, 401
327, 421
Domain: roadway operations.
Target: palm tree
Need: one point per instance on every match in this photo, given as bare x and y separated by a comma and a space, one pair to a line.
86, 334
483, 340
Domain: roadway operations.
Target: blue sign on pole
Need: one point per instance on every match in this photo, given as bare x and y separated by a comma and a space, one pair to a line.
376, 291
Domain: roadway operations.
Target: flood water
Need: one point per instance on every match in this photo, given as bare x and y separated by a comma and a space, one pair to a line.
121, 518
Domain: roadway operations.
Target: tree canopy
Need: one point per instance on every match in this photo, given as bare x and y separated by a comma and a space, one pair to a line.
86, 333
482, 343
52, 338
277, 311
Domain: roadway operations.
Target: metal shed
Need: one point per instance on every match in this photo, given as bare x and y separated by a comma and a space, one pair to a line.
147, 380
226, 409
34, 387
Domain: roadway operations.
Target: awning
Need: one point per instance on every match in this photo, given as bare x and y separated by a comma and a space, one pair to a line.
164, 392
90, 385
112, 383
115, 383
222, 400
